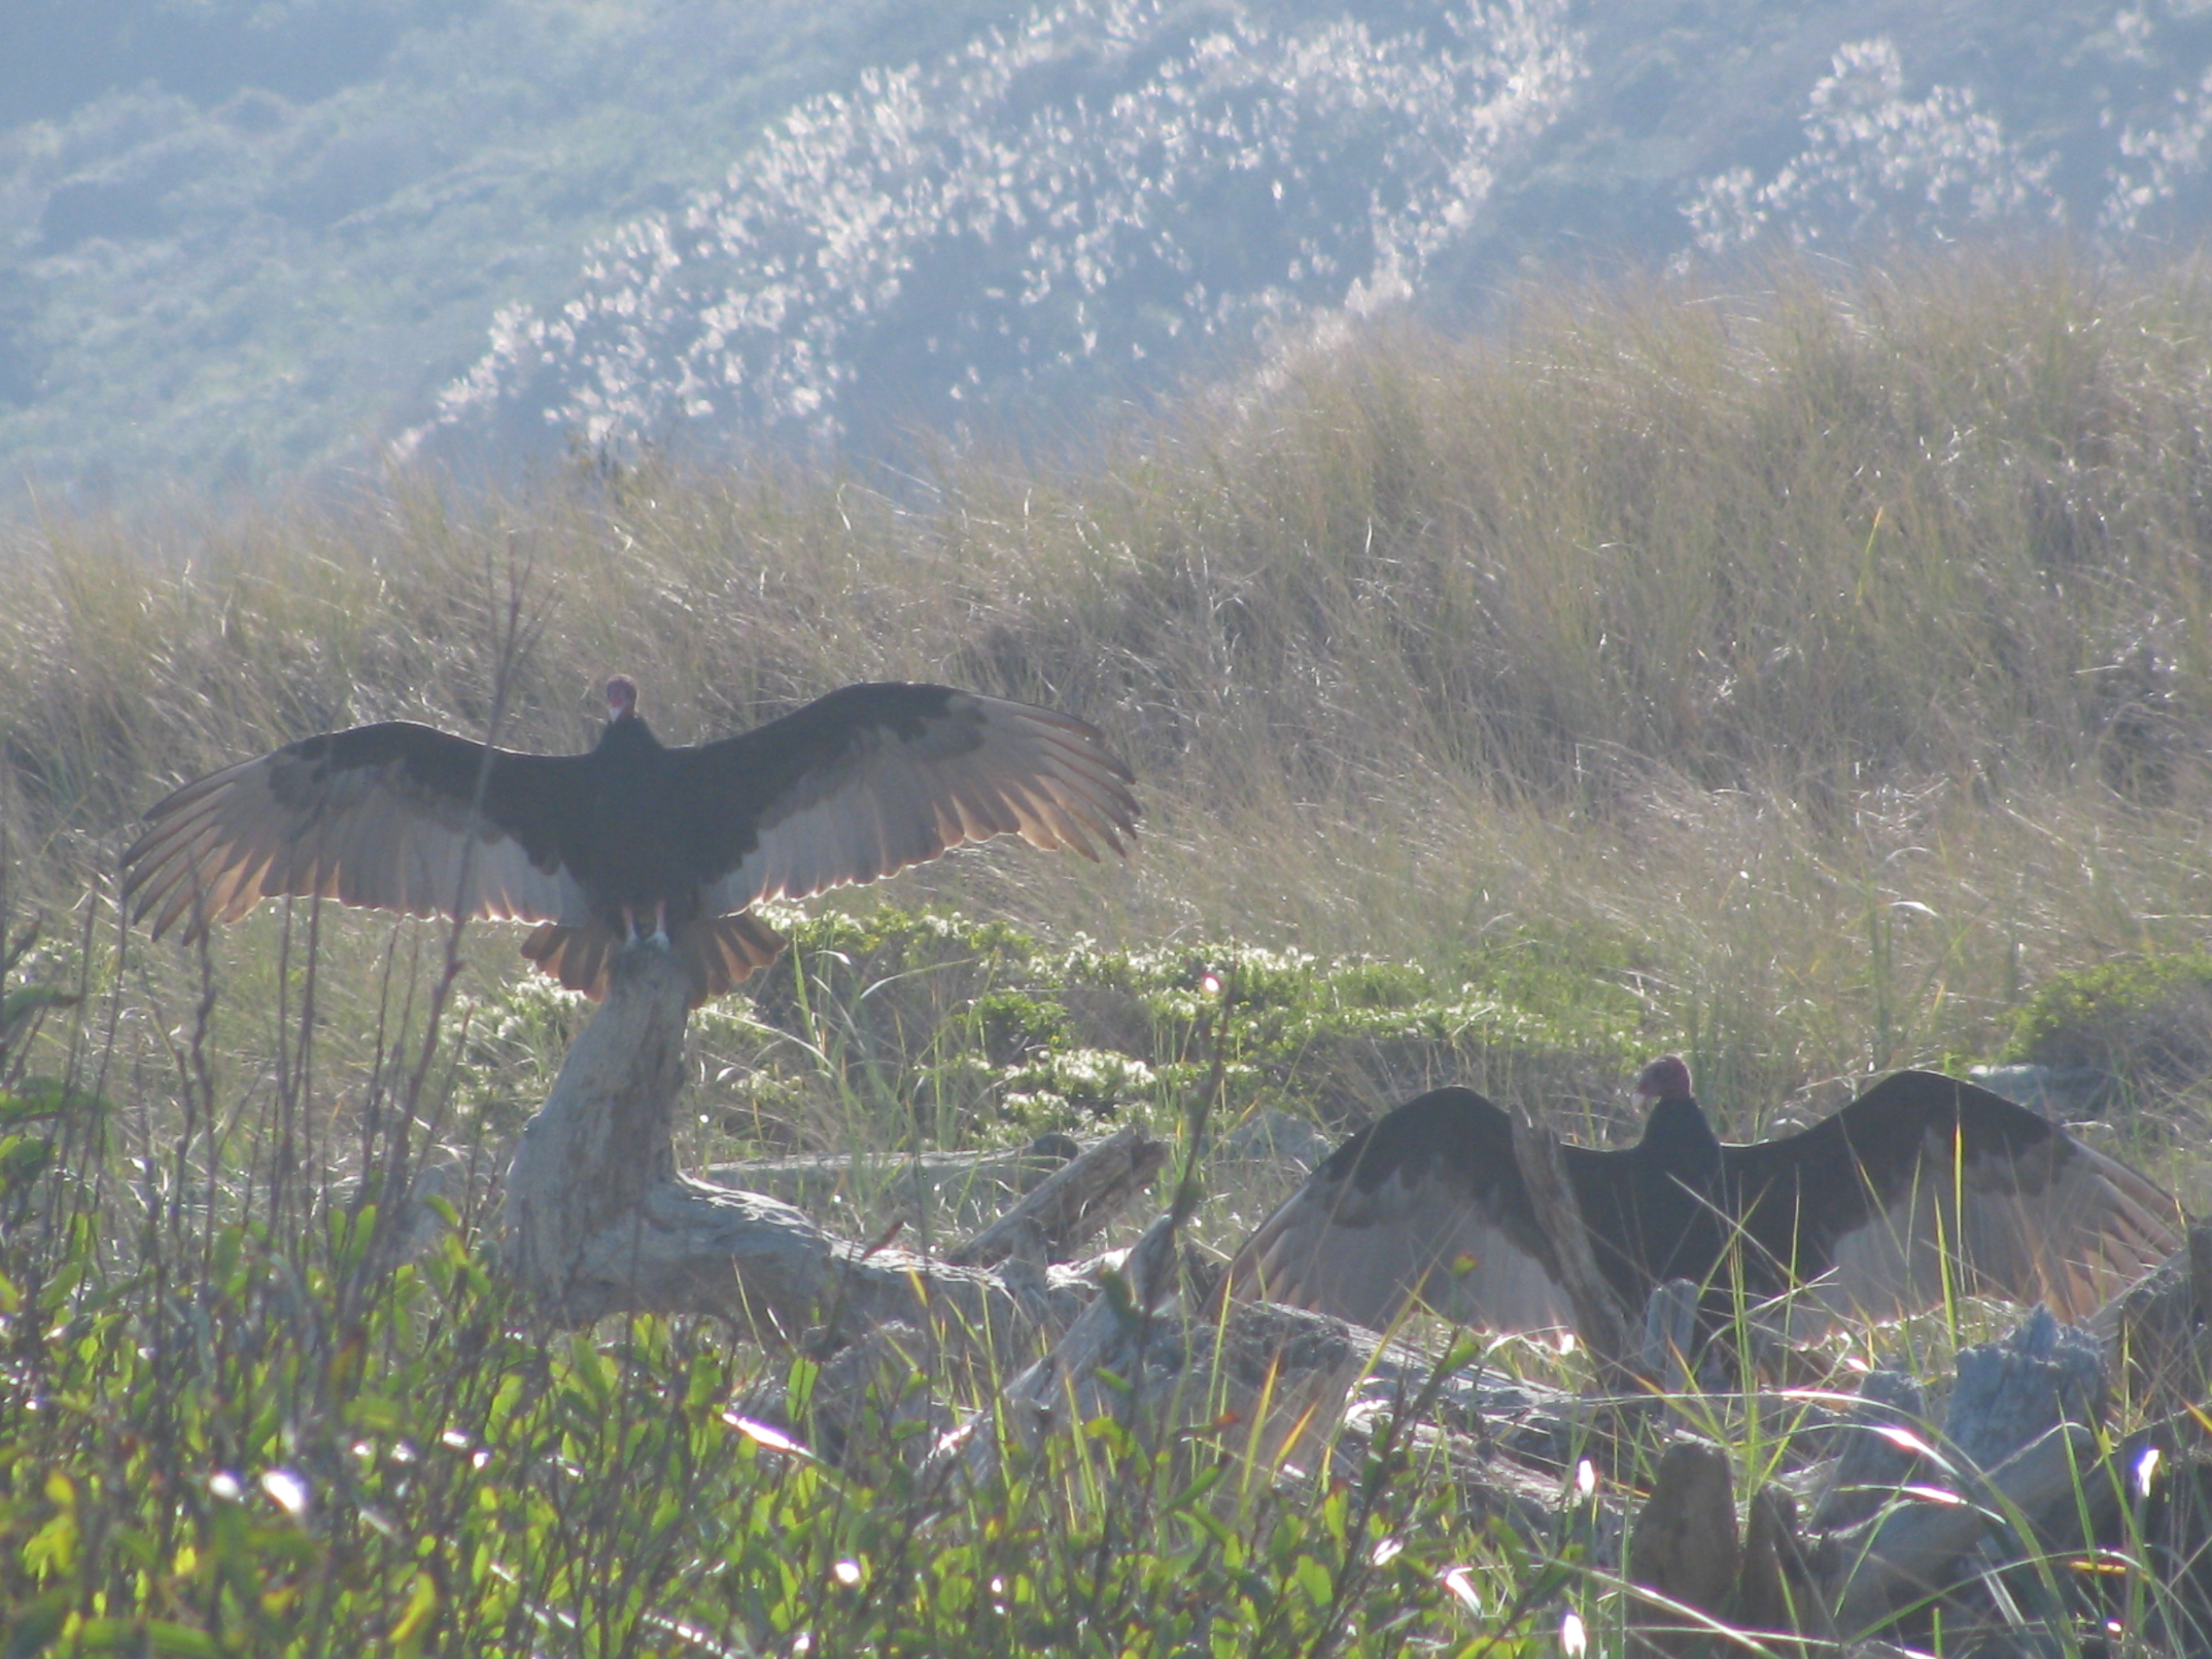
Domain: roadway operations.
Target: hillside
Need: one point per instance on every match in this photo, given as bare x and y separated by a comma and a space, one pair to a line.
238, 242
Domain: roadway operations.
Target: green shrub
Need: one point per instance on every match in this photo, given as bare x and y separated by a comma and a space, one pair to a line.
2145, 1019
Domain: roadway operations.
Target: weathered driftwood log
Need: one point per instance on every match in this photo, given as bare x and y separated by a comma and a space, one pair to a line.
916, 1184
2009, 1392
599, 1221
883, 1397
1669, 1341
1913, 1551
1877, 1451
1274, 1378
1071, 1206
1063, 1386
2164, 1330
2017, 1449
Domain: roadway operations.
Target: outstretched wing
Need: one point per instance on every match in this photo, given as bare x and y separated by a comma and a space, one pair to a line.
1426, 1204
1925, 1175
872, 778
385, 815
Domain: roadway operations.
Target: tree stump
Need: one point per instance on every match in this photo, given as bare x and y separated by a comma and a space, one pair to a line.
599, 1221
1683, 1555
1691, 1575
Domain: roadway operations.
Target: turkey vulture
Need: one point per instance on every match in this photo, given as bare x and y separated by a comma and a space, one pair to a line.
1861, 1214
676, 843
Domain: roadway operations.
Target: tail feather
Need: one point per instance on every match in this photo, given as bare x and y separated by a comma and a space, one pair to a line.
722, 952
718, 953
580, 957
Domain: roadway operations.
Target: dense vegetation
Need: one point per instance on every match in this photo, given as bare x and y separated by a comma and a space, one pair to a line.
1814, 679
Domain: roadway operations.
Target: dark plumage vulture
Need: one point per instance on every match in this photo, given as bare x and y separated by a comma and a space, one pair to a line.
1863, 1214
631, 838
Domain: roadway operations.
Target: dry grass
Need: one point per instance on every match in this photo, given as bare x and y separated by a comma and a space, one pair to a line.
1836, 652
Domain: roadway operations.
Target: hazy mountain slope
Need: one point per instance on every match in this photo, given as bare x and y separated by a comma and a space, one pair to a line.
1057, 212
1718, 124
57, 56
211, 265
1096, 203
243, 237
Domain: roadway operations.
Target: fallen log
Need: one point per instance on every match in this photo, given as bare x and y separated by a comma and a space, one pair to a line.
1272, 1380
913, 1184
1069, 1208
1878, 1450
1915, 1550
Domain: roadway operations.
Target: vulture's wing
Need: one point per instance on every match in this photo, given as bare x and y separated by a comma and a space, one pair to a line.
872, 778
1424, 1203
1923, 1174
380, 815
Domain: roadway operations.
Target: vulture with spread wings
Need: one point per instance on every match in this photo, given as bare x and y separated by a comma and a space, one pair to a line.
1862, 1215
631, 838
